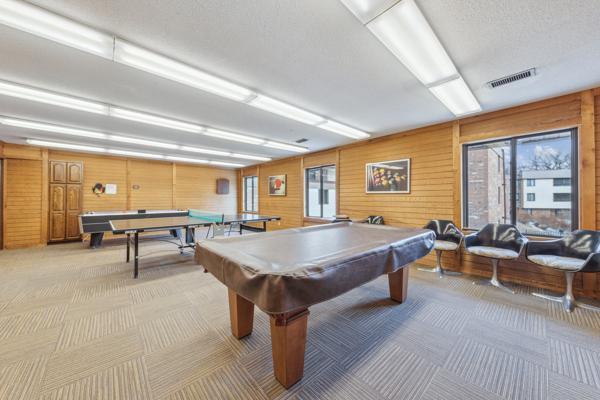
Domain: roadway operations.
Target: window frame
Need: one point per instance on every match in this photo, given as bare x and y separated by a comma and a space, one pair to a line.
245, 195
321, 190
513, 173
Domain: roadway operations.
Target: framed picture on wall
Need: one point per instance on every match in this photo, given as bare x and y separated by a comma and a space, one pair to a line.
277, 185
388, 176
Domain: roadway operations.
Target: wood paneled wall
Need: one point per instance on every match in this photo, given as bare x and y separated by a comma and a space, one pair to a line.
161, 186
435, 154
22, 203
288, 207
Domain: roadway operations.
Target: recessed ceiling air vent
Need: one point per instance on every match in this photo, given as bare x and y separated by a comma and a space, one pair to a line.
302, 140
511, 78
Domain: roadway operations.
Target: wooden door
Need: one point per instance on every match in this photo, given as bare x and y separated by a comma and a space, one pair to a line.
66, 178
57, 212
58, 172
74, 172
73, 209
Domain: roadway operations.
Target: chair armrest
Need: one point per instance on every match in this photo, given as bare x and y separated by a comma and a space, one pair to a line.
537, 247
522, 242
592, 263
471, 240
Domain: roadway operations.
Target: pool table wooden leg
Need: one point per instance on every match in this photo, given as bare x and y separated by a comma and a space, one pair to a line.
241, 315
399, 284
288, 341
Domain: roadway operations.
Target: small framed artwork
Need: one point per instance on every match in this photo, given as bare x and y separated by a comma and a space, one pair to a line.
277, 185
388, 176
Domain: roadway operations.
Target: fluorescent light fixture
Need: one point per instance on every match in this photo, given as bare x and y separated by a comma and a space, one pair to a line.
366, 10
236, 137
285, 110
405, 32
68, 146
205, 151
35, 20
227, 164
134, 154
250, 157
186, 159
456, 96
137, 57
43, 96
343, 130
154, 120
285, 146
52, 128
143, 142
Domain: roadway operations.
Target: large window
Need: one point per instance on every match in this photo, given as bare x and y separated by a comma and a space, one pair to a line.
320, 192
251, 193
529, 181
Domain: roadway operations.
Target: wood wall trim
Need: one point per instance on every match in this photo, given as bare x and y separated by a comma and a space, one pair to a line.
521, 108
587, 163
4, 200
337, 181
456, 170
587, 175
174, 185
45, 200
128, 183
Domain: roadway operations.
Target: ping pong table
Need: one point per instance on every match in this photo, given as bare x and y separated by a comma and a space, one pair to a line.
188, 224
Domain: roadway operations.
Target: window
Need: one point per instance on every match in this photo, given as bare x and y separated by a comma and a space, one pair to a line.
320, 192
251, 193
545, 164
561, 197
561, 182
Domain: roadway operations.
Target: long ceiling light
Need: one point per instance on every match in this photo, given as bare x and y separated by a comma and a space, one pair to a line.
235, 137
137, 57
37, 21
455, 95
187, 159
134, 154
226, 164
40, 126
285, 110
154, 120
288, 147
67, 146
403, 29
47, 97
143, 142
343, 130
128, 153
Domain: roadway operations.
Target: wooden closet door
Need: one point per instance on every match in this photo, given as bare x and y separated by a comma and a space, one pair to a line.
57, 212
58, 172
74, 172
73, 211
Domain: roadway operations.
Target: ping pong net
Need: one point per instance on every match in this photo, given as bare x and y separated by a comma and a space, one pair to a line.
207, 216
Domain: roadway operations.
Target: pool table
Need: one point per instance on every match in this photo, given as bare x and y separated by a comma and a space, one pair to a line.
284, 272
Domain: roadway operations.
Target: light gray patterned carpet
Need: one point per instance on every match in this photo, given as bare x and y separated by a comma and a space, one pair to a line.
75, 325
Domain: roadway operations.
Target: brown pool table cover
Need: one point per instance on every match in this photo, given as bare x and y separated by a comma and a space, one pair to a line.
286, 270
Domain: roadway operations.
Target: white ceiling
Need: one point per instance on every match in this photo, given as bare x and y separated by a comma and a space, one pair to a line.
312, 53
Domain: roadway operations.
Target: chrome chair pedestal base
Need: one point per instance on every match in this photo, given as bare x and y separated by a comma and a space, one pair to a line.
493, 281
438, 268
568, 299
